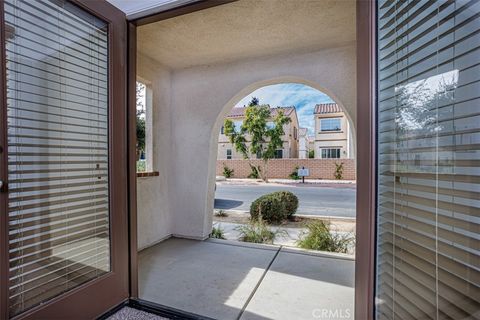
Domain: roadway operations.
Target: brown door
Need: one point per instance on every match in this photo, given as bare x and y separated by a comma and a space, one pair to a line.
63, 199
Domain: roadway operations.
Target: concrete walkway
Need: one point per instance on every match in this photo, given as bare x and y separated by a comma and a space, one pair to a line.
221, 279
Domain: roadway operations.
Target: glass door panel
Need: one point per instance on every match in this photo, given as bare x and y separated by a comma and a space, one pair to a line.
58, 112
428, 214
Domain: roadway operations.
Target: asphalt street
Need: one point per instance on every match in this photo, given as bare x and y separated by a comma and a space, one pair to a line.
322, 200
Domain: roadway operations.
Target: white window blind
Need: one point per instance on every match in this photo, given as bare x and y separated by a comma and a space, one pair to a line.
428, 237
57, 105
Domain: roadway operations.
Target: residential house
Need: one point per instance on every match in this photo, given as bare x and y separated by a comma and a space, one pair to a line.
290, 139
332, 132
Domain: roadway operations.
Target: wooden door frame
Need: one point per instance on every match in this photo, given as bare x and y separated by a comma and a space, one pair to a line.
366, 193
4, 263
366, 161
366, 151
94, 297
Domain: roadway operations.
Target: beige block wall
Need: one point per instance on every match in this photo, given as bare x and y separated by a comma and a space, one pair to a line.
282, 168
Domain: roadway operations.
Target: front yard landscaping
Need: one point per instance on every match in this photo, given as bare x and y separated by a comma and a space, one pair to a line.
272, 220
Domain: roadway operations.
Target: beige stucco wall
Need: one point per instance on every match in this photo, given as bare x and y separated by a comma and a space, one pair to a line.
190, 111
153, 193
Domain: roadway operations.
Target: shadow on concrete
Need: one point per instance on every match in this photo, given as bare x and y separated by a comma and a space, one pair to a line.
217, 278
227, 204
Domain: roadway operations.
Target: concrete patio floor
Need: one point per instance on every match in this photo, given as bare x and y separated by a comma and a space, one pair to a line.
224, 280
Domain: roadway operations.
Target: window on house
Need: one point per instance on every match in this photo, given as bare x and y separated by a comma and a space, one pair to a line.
295, 133
141, 127
333, 124
238, 125
331, 153
279, 154
144, 125
229, 153
270, 125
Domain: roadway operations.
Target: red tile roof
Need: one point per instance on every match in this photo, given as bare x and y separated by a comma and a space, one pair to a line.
240, 112
327, 108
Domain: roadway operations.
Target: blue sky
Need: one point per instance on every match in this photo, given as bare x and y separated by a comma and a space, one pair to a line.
303, 97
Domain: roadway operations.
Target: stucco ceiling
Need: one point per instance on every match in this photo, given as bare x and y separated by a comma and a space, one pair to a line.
140, 8
248, 28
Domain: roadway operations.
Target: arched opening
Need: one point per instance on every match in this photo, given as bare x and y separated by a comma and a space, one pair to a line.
250, 90
319, 137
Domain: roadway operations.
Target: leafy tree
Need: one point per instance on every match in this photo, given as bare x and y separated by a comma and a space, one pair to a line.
338, 171
256, 138
254, 102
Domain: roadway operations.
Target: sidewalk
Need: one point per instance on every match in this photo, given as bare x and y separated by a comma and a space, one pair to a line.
237, 181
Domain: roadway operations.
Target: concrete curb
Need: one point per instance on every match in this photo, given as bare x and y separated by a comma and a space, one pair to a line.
348, 219
284, 249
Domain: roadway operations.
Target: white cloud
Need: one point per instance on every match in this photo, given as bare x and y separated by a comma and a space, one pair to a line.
303, 97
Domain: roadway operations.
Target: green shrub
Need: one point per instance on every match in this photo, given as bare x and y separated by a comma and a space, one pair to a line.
227, 172
274, 207
294, 175
338, 171
217, 233
269, 208
254, 174
318, 236
290, 200
258, 232
221, 213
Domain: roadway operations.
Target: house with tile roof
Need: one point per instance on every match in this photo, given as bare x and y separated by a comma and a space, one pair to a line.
332, 132
290, 139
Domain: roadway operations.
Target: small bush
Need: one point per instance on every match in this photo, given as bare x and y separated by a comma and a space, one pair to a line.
258, 232
319, 237
227, 172
217, 233
274, 207
290, 200
269, 208
338, 171
221, 214
254, 174
294, 175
